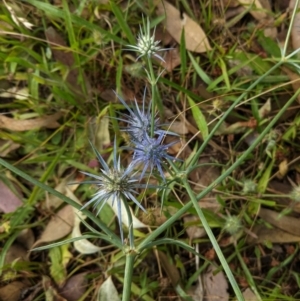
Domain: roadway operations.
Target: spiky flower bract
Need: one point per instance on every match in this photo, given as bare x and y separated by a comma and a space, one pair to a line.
115, 184
146, 44
151, 153
139, 121
232, 224
295, 194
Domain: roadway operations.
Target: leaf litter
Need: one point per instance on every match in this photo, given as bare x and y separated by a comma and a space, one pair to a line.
244, 56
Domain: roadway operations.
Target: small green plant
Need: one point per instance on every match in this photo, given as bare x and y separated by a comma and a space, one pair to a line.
151, 162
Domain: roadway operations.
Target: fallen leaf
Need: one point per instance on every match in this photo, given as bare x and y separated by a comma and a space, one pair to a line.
255, 9
295, 80
286, 223
283, 169
50, 290
7, 147
83, 246
108, 291
195, 38
202, 177
274, 235
48, 121
215, 285
179, 127
197, 291
16, 93
249, 295
169, 268
12, 291
258, 11
52, 201
265, 110
75, 287
26, 238
154, 216
15, 252
59, 226
172, 59
9, 201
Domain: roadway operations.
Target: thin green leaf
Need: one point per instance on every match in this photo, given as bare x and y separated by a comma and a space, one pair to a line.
199, 118
122, 22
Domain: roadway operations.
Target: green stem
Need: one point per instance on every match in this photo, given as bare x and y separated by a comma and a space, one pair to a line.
114, 238
153, 93
228, 111
248, 275
287, 39
209, 188
130, 257
152, 236
213, 240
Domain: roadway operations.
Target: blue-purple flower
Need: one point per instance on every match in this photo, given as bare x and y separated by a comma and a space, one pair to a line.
139, 122
152, 154
115, 184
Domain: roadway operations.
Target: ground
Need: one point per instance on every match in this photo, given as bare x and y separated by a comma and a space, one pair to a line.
221, 218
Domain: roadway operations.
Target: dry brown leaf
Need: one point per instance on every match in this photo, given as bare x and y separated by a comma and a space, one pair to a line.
9, 202
195, 38
283, 169
275, 235
286, 223
154, 216
249, 295
295, 27
59, 226
169, 268
75, 287
26, 238
12, 291
15, 252
202, 177
196, 291
52, 201
265, 110
256, 9
48, 121
7, 146
50, 290
172, 59
295, 80
215, 285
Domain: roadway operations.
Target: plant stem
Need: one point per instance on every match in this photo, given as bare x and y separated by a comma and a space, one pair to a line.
130, 257
152, 236
228, 111
114, 238
213, 240
152, 80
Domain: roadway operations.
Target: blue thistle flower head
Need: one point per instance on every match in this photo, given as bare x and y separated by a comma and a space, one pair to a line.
139, 121
115, 184
151, 153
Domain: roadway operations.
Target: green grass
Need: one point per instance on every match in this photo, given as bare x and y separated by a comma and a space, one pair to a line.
70, 62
